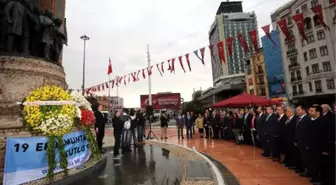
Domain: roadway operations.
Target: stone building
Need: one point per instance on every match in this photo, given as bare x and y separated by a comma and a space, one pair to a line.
255, 75
309, 66
56, 6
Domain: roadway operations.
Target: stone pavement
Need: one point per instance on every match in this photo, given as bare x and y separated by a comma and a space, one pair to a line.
245, 162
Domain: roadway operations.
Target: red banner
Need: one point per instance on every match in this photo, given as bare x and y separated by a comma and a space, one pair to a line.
243, 43
266, 29
229, 44
221, 52
298, 18
254, 39
319, 14
283, 27
162, 101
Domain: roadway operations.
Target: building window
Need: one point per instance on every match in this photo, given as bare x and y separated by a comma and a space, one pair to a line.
251, 91
249, 71
289, 19
263, 91
250, 81
307, 23
307, 70
312, 53
330, 83
293, 61
324, 50
298, 75
300, 88
260, 69
320, 35
318, 86
305, 56
291, 47
294, 90
310, 87
292, 76
304, 8
310, 38
315, 68
326, 66
316, 21
314, 3
297, 11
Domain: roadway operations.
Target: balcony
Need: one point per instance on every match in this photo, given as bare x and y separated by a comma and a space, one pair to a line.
301, 92
292, 52
261, 83
289, 41
318, 90
293, 65
299, 78
293, 79
259, 72
295, 94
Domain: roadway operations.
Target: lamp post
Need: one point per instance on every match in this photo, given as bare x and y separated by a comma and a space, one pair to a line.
85, 38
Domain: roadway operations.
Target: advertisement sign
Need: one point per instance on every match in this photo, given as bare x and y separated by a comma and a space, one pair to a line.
26, 157
162, 101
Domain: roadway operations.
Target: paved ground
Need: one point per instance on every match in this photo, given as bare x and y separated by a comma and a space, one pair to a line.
245, 162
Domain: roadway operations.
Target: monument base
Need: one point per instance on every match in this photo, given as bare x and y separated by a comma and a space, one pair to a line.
18, 77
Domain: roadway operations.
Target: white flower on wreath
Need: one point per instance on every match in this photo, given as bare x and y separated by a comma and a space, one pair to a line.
79, 98
54, 124
78, 113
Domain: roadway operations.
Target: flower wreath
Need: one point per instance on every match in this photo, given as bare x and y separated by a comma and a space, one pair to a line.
51, 120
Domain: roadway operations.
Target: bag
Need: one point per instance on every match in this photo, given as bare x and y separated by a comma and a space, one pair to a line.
127, 124
240, 137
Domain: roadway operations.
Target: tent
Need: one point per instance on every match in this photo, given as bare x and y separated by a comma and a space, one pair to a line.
245, 100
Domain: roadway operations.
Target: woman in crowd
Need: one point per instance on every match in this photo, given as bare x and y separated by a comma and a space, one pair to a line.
253, 125
199, 124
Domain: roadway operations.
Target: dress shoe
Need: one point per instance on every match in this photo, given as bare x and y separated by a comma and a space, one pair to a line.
304, 175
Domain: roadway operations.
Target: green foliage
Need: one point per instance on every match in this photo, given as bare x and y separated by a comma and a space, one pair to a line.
92, 144
62, 154
51, 157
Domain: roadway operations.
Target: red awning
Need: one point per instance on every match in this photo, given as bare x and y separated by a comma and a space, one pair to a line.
245, 100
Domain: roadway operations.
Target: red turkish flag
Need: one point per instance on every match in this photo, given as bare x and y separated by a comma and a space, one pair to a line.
211, 47
103, 87
98, 87
134, 76
112, 83
243, 43
143, 73
283, 26
138, 75
188, 61
221, 52
254, 39
129, 78
181, 63
229, 44
169, 67
149, 70
172, 65
109, 69
107, 85
298, 18
266, 29
162, 67
124, 79
157, 66
202, 54
319, 14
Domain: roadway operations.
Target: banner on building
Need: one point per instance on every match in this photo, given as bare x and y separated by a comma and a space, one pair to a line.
162, 101
26, 157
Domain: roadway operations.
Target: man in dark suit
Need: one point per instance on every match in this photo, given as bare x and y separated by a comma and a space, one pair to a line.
100, 126
260, 124
269, 131
247, 127
189, 122
207, 126
314, 144
301, 138
277, 142
289, 137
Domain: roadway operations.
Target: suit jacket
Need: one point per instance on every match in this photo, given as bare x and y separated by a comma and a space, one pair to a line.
289, 131
270, 125
301, 130
329, 133
100, 122
189, 121
280, 128
248, 121
315, 134
260, 124
180, 122
239, 123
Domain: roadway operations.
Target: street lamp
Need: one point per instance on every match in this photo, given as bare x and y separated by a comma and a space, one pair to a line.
85, 38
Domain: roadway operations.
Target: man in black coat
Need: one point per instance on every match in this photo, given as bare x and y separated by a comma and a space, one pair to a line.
301, 138
247, 127
314, 144
189, 122
260, 124
101, 119
289, 137
269, 131
277, 142
207, 126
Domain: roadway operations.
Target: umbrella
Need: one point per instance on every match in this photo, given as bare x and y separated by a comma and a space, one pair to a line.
245, 100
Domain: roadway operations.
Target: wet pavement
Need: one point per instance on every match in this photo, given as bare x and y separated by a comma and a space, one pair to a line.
145, 165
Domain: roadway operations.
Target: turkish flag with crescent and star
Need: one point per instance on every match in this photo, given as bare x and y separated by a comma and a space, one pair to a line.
266, 29
243, 43
283, 26
229, 44
298, 18
221, 52
319, 14
254, 39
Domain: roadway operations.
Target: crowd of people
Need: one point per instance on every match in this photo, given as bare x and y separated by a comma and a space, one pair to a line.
305, 136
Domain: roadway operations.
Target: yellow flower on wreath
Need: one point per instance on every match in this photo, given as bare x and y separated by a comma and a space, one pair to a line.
51, 120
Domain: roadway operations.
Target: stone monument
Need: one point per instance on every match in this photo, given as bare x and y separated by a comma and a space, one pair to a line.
31, 46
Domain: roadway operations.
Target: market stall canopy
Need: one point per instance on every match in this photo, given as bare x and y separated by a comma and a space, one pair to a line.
245, 100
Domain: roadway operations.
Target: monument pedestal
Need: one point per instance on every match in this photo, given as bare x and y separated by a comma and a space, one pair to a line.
18, 77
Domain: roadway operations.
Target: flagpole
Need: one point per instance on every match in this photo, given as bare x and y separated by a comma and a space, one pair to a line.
109, 93
149, 79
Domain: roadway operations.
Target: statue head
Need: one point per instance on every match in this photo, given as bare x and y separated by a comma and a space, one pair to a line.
58, 22
48, 13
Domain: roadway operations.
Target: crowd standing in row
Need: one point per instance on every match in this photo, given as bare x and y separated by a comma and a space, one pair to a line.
306, 137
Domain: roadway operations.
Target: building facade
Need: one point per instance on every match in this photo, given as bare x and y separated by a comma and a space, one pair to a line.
309, 66
114, 103
255, 75
273, 65
56, 6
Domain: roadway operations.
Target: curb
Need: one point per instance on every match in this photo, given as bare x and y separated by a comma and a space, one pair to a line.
218, 175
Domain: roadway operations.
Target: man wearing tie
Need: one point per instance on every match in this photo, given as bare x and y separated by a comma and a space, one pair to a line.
277, 142
289, 138
100, 126
301, 138
189, 124
260, 125
269, 131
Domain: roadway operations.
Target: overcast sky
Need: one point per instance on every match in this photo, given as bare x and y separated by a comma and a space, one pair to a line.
121, 30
